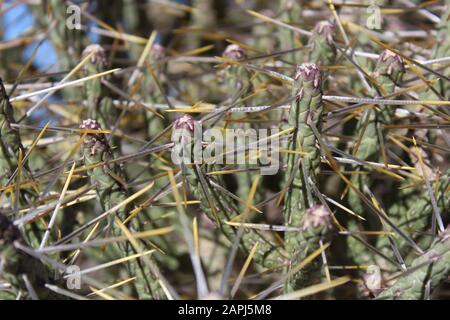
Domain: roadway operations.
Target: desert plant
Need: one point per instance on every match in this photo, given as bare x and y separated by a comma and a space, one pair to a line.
99, 165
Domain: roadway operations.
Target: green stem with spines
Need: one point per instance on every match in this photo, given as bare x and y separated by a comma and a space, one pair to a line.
66, 40
388, 72
10, 146
306, 109
431, 268
413, 211
238, 81
292, 13
219, 208
15, 263
111, 191
323, 50
99, 102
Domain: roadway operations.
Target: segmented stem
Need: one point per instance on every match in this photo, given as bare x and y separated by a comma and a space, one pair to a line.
388, 72
305, 110
217, 206
288, 39
15, 264
430, 269
99, 102
111, 191
323, 50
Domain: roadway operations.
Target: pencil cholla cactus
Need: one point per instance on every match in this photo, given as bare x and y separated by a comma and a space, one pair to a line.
237, 77
288, 39
239, 85
413, 210
427, 270
441, 49
99, 102
151, 92
11, 148
305, 111
357, 186
111, 192
15, 265
388, 72
323, 50
10, 138
218, 206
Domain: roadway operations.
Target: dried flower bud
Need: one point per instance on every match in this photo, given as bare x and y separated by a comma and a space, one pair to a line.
234, 52
390, 64
185, 122
308, 72
94, 141
98, 57
317, 218
158, 52
373, 279
326, 29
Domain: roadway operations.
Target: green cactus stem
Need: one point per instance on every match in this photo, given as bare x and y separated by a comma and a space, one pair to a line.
413, 212
388, 72
218, 207
99, 102
288, 39
307, 107
111, 191
14, 264
323, 50
429, 269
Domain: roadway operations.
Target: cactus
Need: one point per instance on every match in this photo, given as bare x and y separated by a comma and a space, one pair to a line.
11, 146
441, 49
359, 199
429, 269
111, 191
15, 264
321, 43
388, 72
239, 86
306, 109
151, 92
10, 138
291, 12
219, 208
203, 18
99, 101
415, 213
66, 40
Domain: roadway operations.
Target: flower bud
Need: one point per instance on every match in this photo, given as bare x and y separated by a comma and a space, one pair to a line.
308, 72
234, 52
186, 122
391, 65
94, 141
325, 29
317, 218
98, 57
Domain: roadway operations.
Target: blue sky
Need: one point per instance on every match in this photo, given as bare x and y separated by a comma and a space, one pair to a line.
14, 23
